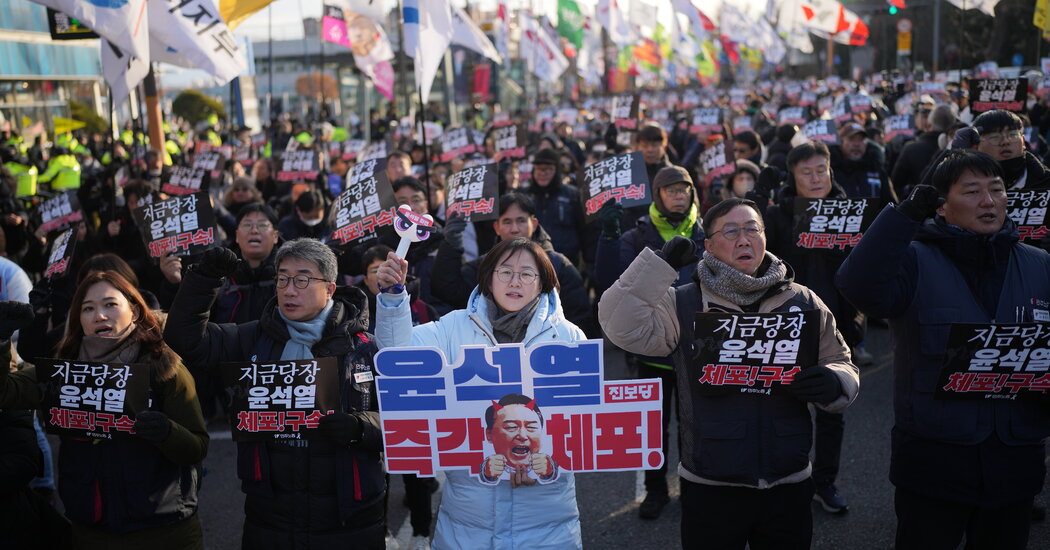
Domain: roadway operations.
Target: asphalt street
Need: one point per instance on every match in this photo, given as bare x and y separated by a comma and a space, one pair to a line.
608, 502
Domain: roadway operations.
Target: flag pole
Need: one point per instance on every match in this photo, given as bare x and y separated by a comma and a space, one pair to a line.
423, 139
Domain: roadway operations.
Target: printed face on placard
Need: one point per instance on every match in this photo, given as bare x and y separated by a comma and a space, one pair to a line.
976, 202
105, 311
516, 434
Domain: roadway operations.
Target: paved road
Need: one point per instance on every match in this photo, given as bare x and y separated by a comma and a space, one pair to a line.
608, 505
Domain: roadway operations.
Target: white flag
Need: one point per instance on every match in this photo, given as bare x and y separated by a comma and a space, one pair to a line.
590, 62
790, 22
466, 33
125, 23
540, 52
756, 34
827, 16
611, 16
192, 34
122, 71
987, 6
428, 31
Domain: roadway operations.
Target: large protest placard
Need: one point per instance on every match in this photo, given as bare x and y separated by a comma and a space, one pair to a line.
375, 150
822, 130
1028, 210
509, 141
182, 225
473, 193
622, 178
93, 400
283, 399
841, 112
706, 120
625, 112
792, 115
299, 166
830, 224
62, 252
60, 211
352, 148
996, 361
455, 143
900, 125
367, 204
443, 415
212, 161
742, 123
753, 352
717, 162
860, 104
987, 94
184, 180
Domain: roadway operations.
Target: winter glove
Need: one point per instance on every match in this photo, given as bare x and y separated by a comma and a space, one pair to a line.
678, 252
769, 180
610, 215
217, 263
965, 138
610, 136
816, 384
40, 297
922, 203
453, 231
153, 426
341, 428
14, 316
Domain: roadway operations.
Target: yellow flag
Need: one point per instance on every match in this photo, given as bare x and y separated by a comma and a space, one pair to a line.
236, 11
63, 125
1041, 17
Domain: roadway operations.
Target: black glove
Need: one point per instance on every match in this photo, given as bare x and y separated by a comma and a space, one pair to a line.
14, 316
610, 215
817, 384
153, 426
40, 297
922, 203
769, 179
678, 252
610, 136
453, 231
341, 428
966, 138
217, 263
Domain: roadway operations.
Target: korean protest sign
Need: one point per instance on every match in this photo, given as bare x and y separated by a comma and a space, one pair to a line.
183, 225
509, 141
716, 162
996, 361
365, 205
821, 130
706, 120
455, 143
93, 400
829, 224
60, 211
900, 125
283, 399
352, 148
625, 112
442, 415
212, 161
474, 193
62, 252
299, 165
792, 115
988, 94
860, 104
841, 112
753, 352
622, 178
1028, 210
742, 123
375, 150
184, 180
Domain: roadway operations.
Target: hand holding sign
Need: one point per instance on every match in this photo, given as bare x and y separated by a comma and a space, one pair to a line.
153, 426
412, 228
817, 384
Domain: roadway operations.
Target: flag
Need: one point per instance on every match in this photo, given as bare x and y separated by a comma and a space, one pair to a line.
428, 31
366, 40
466, 33
502, 28
122, 71
542, 55
699, 24
1041, 17
234, 12
63, 125
191, 34
790, 24
987, 6
590, 62
570, 22
612, 18
125, 23
827, 16
857, 32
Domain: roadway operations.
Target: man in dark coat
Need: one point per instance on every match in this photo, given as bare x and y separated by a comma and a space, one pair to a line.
916, 155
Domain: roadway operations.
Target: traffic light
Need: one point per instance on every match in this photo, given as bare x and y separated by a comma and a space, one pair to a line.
893, 9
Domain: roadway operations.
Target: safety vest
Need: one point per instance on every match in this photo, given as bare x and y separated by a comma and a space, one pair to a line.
63, 171
26, 176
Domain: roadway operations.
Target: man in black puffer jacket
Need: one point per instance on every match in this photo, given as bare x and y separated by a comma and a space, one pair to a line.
558, 207
857, 166
322, 493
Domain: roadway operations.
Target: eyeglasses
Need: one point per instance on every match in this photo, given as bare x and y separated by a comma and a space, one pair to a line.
526, 277
676, 191
261, 226
997, 139
733, 233
300, 281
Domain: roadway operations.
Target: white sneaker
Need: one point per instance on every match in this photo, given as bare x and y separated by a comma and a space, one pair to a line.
419, 542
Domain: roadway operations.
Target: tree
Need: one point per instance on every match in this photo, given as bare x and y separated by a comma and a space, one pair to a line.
81, 111
194, 106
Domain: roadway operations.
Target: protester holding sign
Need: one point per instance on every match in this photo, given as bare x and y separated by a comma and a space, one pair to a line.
339, 474
132, 491
960, 467
516, 301
558, 207
1001, 137
858, 166
745, 471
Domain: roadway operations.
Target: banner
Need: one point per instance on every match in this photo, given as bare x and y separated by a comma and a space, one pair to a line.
183, 180
717, 162
299, 166
1028, 210
192, 34
996, 361
473, 193
285, 399
366, 204
622, 178
440, 415
60, 211
821, 130
62, 252
988, 94
64, 27
827, 224
92, 400
753, 352
184, 225
706, 120
509, 141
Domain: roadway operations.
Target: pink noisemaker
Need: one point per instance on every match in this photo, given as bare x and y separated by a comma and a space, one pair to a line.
412, 228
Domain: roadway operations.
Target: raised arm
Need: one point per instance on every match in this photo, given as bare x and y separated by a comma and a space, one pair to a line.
638, 312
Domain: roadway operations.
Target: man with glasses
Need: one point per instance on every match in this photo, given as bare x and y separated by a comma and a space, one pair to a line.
1001, 138
745, 470
328, 491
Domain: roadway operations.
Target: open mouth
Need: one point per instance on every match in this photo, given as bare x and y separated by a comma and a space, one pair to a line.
105, 331
520, 451
989, 217
745, 257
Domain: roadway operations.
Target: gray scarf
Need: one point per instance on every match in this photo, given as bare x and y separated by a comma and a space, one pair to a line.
510, 327
737, 287
118, 349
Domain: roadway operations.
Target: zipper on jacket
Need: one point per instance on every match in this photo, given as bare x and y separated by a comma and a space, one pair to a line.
485, 331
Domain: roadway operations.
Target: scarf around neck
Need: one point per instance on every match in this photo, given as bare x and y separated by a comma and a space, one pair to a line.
735, 286
118, 349
662, 222
510, 326
302, 335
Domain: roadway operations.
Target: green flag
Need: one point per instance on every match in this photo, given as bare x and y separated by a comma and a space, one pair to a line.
570, 22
